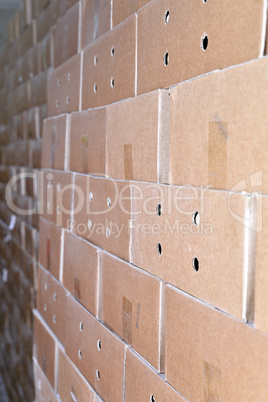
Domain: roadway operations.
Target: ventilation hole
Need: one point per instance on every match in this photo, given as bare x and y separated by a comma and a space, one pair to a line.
109, 202
58, 186
205, 1
98, 374
159, 248
69, 77
95, 88
57, 103
195, 264
204, 42
159, 209
54, 319
108, 231
58, 82
45, 286
89, 223
166, 59
45, 307
166, 16
67, 100
112, 51
95, 60
80, 353
152, 398
55, 296
90, 196
81, 326
196, 218
58, 209
99, 344
112, 82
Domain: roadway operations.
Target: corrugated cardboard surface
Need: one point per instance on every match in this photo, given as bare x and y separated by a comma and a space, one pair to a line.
96, 20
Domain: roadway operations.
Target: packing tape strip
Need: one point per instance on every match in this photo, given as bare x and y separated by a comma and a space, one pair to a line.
127, 320
128, 164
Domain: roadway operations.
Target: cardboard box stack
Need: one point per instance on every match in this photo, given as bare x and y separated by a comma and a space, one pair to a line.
151, 279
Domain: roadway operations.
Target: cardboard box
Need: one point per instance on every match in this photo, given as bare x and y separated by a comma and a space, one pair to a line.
47, 18
28, 38
44, 347
46, 52
56, 196
66, 5
111, 62
43, 389
71, 382
140, 148
23, 97
64, 87
50, 247
67, 35
132, 304
55, 150
143, 383
97, 353
213, 145
39, 89
122, 10
180, 41
81, 271
96, 20
88, 142
179, 234
51, 303
32, 123
36, 149
30, 64
102, 213
210, 355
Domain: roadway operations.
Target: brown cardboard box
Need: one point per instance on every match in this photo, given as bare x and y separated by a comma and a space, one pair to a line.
46, 54
88, 142
23, 97
44, 347
210, 355
55, 151
122, 10
96, 20
95, 351
71, 383
36, 148
47, 18
65, 5
81, 271
111, 63
186, 236
67, 35
39, 89
178, 41
64, 87
139, 150
102, 213
43, 389
51, 303
32, 121
132, 305
30, 64
214, 145
56, 196
50, 247
28, 38
145, 384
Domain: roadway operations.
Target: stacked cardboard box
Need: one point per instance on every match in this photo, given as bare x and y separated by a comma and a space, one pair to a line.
150, 280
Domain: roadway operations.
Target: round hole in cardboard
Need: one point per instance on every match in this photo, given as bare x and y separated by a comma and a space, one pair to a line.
166, 59
55, 296
159, 209
69, 77
89, 223
45, 307
95, 88
81, 326
195, 264
108, 231
98, 374
99, 344
204, 42
112, 51
58, 82
57, 103
67, 100
80, 353
109, 202
58, 209
166, 16
196, 218
54, 319
112, 82
95, 60
152, 398
159, 249
90, 196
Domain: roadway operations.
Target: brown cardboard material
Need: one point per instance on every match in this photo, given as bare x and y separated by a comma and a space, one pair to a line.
132, 306
96, 20
55, 150
88, 142
179, 234
23, 97
39, 89
210, 355
102, 212
122, 10
43, 389
47, 19
71, 383
66, 5
46, 52
44, 347
81, 271
51, 303
143, 383
50, 247
36, 148
67, 35
64, 87
182, 41
28, 38
213, 145
139, 150
95, 351
111, 63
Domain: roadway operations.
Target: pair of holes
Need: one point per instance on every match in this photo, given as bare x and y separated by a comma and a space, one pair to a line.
95, 86
204, 46
195, 261
96, 57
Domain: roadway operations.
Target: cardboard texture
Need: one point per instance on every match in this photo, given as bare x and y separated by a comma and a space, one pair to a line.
44, 348
46, 55
210, 355
67, 35
71, 383
145, 384
95, 351
51, 303
64, 87
81, 271
88, 142
178, 234
213, 145
39, 89
180, 41
28, 38
111, 63
102, 212
132, 306
96, 20
55, 148
50, 247
137, 132
66, 5
43, 389
47, 18
122, 10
